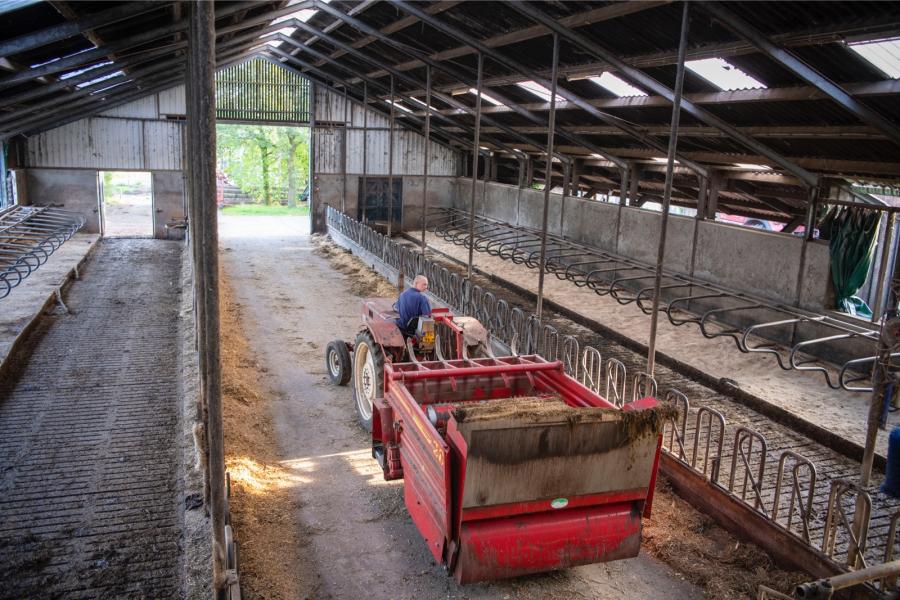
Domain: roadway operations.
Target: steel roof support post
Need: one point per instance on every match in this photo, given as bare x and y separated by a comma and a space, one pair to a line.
427, 151
787, 60
364, 192
475, 151
886, 248
344, 155
548, 181
624, 175
881, 377
391, 165
667, 194
202, 112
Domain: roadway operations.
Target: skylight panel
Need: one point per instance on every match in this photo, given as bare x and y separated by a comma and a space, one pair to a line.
400, 106
486, 97
98, 79
536, 89
753, 167
84, 70
723, 74
616, 85
419, 102
58, 58
884, 54
304, 15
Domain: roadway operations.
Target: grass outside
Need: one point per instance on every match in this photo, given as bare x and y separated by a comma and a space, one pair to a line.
259, 210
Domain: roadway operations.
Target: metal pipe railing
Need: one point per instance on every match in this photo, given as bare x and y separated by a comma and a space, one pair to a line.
28, 236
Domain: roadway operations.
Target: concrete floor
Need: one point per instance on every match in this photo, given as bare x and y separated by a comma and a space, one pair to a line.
360, 539
90, 500
25, 302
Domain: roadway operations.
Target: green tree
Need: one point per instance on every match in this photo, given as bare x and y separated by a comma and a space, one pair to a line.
268, 163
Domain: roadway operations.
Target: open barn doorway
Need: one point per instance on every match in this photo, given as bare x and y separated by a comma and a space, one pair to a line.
263, 171
126, 204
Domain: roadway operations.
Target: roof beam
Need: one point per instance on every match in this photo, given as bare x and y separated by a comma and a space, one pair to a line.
328, 78
641, 79
137, 59
100, 54
56, 33
463, 77
403, 77
840, 33
394, 27
830, 165
782, 94
743, 29
122, 96
847, 132
588, 17
561, 91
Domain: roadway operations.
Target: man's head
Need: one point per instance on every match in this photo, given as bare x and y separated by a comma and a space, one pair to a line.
420, 283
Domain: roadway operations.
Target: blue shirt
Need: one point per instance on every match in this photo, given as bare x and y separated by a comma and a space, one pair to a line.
412, 303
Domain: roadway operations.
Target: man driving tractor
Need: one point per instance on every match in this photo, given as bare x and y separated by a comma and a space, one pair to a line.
413, 304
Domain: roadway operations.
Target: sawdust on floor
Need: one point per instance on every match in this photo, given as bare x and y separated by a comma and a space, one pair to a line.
263, 507
364, 281
677, 534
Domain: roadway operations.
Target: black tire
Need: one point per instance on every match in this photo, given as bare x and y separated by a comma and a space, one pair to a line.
368, 377
337, 362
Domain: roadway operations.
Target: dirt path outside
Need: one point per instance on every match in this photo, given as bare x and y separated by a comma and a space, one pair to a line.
312, 512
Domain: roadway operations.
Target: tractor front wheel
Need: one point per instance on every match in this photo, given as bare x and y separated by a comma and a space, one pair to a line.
368, 377
337, 362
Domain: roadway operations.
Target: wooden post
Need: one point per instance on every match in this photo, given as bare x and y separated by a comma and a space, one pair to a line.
201, 114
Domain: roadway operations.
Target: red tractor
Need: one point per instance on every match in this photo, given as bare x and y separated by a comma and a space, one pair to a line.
510, 466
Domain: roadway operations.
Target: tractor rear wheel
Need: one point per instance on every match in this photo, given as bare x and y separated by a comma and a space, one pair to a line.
368, 377
337, 362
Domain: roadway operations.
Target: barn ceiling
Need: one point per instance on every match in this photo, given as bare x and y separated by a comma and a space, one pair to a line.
809, 95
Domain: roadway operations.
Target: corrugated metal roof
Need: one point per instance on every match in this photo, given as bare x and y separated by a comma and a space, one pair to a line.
647, 36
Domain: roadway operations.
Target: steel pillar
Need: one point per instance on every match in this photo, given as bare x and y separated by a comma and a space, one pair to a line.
427, 151
548, 181
391, 165
475, 150
667, 193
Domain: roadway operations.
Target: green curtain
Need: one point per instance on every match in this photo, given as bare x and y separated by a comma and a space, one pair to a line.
852, 232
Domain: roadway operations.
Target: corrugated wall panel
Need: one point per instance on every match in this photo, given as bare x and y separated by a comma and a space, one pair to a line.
108, 143
172, 101
142, 108
162, 145
409, 146
329, 106
409, 154
117, 143
328, 150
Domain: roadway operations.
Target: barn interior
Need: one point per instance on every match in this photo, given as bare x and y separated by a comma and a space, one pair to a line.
689, 201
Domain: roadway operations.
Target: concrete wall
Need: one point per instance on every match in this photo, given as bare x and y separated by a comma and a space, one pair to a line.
327, 190
79, 190
168, 203
762, 263
73, 189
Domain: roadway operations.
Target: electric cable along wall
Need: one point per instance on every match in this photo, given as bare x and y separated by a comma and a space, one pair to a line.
789, 490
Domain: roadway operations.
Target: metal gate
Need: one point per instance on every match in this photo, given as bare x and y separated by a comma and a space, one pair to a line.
377, 203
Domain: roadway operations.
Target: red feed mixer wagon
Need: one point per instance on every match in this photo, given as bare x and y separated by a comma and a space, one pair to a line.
510, 466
